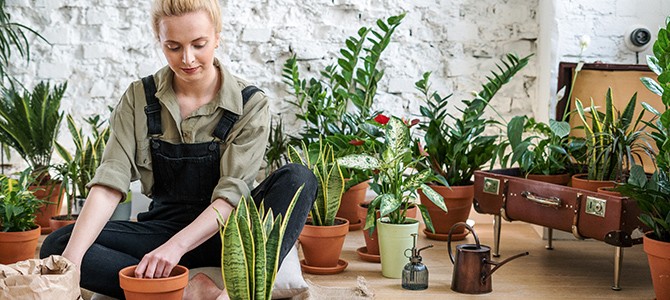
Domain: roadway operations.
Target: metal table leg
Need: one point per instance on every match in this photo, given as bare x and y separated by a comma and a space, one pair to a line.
618, 260
497, 220
550, 239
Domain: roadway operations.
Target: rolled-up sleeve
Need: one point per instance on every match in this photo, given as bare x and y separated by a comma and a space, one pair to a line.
244, 151
117, 166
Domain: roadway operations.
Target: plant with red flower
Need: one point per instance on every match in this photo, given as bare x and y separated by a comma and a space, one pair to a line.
382, 119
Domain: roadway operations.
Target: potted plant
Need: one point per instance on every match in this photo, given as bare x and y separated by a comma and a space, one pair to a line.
653, 194
323, 235
612, 141
18, 231
396, 191
29, 123
251, 241
338, 105
457, 146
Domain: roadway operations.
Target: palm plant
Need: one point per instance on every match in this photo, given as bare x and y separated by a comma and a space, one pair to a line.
457, 146
320, 158
12, 36
29, 123
251, 241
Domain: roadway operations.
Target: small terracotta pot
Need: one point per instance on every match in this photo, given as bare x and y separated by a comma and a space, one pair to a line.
579, 181
459, 202
658, 255
322, 245
372, 240
56, 222
18, 246
351, 199
48, 193
608, 191
168, 288
560, 179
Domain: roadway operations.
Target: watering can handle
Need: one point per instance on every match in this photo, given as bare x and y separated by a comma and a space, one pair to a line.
452, 230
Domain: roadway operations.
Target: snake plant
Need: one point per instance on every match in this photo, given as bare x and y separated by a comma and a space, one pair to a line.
320, 158
251, 241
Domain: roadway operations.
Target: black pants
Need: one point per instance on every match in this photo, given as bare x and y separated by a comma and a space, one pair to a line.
124, 243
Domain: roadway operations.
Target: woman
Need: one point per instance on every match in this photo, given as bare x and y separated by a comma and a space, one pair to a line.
194, 144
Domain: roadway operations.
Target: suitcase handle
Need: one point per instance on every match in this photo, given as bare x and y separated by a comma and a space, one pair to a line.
550, 201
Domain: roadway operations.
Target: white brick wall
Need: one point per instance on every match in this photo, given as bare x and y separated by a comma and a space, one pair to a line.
100, 46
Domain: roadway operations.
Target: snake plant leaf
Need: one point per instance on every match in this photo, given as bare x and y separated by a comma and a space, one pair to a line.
294, 156
272, 255
333, 191
359, 161
582, 115
247, 243
268, 223
260, 263
234, 262
434, 197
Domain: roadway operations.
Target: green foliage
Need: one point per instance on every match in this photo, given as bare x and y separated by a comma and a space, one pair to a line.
652, 195
457, 146
394, 187
12, 38
612, 140
338, 105
251, 242
79, 167
320, 159
275, 152
18, 205
544, 151
29, 123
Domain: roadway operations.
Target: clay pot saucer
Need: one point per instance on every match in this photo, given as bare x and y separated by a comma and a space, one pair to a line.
445, 236
356, 226
364, 255
341, 265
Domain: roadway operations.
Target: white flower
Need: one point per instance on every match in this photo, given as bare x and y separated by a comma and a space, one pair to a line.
584, 41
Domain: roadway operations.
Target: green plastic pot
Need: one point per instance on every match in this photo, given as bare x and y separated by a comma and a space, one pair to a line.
394, 239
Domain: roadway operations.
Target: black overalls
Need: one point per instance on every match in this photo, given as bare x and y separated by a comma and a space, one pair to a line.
185, 176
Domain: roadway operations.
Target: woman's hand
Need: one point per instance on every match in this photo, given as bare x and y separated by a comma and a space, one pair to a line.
160, 262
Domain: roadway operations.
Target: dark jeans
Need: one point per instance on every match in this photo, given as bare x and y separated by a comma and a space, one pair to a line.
124, 243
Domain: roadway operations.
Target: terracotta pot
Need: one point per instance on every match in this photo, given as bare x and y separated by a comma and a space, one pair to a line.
371, 240
608, 191
49, 193
351, 199
322, 245
56, 222
459, 202
658, 255
560, 179
18, 246
579, 181
168, 288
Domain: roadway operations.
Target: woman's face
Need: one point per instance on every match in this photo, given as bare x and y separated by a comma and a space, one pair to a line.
188, 43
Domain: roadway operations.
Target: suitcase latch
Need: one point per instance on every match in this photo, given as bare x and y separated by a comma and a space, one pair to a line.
491, 185
595, 206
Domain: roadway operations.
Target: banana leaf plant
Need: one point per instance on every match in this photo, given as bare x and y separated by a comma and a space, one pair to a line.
613, 140
395, 179
251, 242
29, 124
320, 159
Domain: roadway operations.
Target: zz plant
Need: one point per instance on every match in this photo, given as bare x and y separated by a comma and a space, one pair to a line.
251, 242
319, 158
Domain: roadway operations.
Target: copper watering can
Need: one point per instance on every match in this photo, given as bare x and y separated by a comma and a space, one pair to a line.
472, 266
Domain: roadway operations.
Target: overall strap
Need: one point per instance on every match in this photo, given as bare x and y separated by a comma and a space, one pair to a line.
229, 118
153, 108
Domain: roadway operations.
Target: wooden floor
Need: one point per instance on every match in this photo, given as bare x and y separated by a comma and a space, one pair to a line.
573, 270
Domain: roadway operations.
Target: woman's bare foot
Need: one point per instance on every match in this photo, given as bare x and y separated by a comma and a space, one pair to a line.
201, 287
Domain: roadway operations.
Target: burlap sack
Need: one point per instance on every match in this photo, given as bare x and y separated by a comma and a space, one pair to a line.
45, 279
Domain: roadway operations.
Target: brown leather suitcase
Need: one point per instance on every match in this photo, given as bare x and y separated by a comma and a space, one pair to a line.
585, 214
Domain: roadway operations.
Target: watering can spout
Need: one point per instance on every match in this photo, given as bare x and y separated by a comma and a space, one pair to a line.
497, 265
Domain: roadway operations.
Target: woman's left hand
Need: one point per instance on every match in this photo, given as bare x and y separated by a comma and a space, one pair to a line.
159, 263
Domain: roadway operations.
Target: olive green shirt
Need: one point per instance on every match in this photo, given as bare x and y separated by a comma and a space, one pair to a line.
127, 155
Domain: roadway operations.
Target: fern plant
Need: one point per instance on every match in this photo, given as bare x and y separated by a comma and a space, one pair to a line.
319, 158
251, 242
29, 123
457, 146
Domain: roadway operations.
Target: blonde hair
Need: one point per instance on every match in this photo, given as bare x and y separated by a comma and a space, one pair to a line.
169, 8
